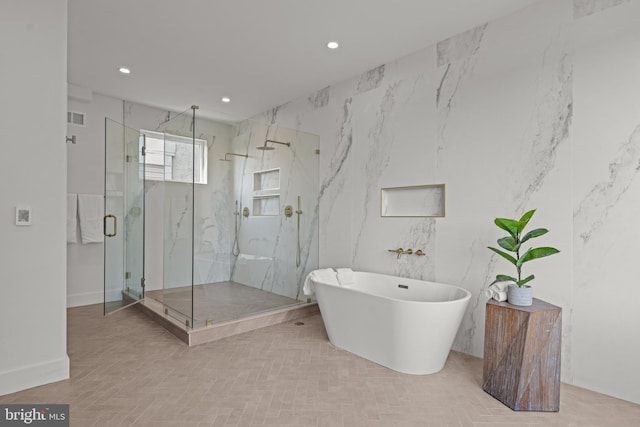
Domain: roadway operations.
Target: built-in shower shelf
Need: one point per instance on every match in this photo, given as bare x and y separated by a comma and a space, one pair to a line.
266, 180
268, 205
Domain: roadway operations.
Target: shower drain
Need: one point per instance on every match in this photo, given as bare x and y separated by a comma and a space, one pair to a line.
299, 323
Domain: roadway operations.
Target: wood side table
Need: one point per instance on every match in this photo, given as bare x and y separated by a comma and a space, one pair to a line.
522, 355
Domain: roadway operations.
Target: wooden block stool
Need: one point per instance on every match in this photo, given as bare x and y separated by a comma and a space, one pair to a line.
522, 355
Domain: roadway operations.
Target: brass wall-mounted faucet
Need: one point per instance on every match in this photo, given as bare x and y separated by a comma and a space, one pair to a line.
409, 251
401, 251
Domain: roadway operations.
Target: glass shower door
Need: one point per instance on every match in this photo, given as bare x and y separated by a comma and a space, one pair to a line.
123, 222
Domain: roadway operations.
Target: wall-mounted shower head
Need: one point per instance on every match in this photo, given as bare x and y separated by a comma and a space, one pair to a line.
266, 147
232, 154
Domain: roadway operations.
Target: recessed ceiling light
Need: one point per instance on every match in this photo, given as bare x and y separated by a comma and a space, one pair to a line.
125, 70
333, 45
225, 99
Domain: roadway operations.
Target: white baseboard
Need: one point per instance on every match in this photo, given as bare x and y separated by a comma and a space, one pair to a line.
89, 298
85, 298
34, 375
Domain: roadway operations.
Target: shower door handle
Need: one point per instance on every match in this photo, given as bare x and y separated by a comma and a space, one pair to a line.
115, 225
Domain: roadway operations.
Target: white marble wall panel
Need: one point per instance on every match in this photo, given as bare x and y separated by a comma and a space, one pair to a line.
503, 149
606, 189
391, 148
582, 8
267, 239
214, 220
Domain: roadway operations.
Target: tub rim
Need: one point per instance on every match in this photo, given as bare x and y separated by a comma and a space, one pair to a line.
466, 297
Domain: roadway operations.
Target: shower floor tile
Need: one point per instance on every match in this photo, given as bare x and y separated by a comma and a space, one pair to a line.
220, 301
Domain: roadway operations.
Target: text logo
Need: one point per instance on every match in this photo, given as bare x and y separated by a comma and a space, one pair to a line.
55, 415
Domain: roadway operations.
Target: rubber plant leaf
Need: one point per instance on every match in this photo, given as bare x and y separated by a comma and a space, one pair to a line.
523, 281
534, 233
509, 243
505, 255
508, 225
535, 253
505, 278
524, 220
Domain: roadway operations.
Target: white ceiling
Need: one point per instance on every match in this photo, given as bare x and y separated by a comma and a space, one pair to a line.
260, 53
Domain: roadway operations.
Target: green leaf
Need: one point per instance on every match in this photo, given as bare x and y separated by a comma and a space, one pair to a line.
509, 243
523, 281
508, 225
506, 256
535, 253
505, 278
525, 220
534, 233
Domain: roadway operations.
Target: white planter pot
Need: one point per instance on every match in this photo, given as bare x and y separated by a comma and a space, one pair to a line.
519, 295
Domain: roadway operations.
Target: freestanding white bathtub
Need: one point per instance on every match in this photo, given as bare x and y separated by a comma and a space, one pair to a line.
406, 325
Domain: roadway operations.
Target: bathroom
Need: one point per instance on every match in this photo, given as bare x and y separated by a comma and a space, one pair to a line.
544, 117
408, 123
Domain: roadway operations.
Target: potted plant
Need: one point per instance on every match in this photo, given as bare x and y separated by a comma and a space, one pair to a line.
518, 292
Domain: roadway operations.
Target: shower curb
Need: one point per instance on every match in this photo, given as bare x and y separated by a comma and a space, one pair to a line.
196, 336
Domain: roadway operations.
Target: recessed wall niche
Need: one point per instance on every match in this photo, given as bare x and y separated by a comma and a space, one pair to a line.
266, 205
266, 180
413, 201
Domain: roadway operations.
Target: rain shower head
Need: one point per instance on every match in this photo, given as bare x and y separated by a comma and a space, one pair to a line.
266, 147
232, 154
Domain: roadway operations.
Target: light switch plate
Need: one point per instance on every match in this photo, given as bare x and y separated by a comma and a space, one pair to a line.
23, 215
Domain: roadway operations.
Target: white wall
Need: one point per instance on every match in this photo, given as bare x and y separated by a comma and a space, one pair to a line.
32, 262
534, 110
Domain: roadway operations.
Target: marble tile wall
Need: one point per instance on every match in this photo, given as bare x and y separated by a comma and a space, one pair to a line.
606, 208
266, 252
531, 111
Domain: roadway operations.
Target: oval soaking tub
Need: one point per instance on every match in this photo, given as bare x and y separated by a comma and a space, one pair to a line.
407, 325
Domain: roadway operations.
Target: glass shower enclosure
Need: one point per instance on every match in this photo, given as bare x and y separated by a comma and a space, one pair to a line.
230, 217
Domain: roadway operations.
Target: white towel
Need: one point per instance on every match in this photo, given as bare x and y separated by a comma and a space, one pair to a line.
345, 276
72, 215
498, 291
324, 275
91, 212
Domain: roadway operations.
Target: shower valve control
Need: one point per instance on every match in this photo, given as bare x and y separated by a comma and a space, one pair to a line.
288, 211
245, 212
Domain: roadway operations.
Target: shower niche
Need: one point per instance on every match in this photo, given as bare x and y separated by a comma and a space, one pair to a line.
208, 269
266, 200
268, 205
267, 180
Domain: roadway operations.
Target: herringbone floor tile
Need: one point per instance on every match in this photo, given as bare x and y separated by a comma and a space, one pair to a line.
128, 371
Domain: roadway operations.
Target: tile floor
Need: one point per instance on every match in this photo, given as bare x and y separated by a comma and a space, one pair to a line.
128, 371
